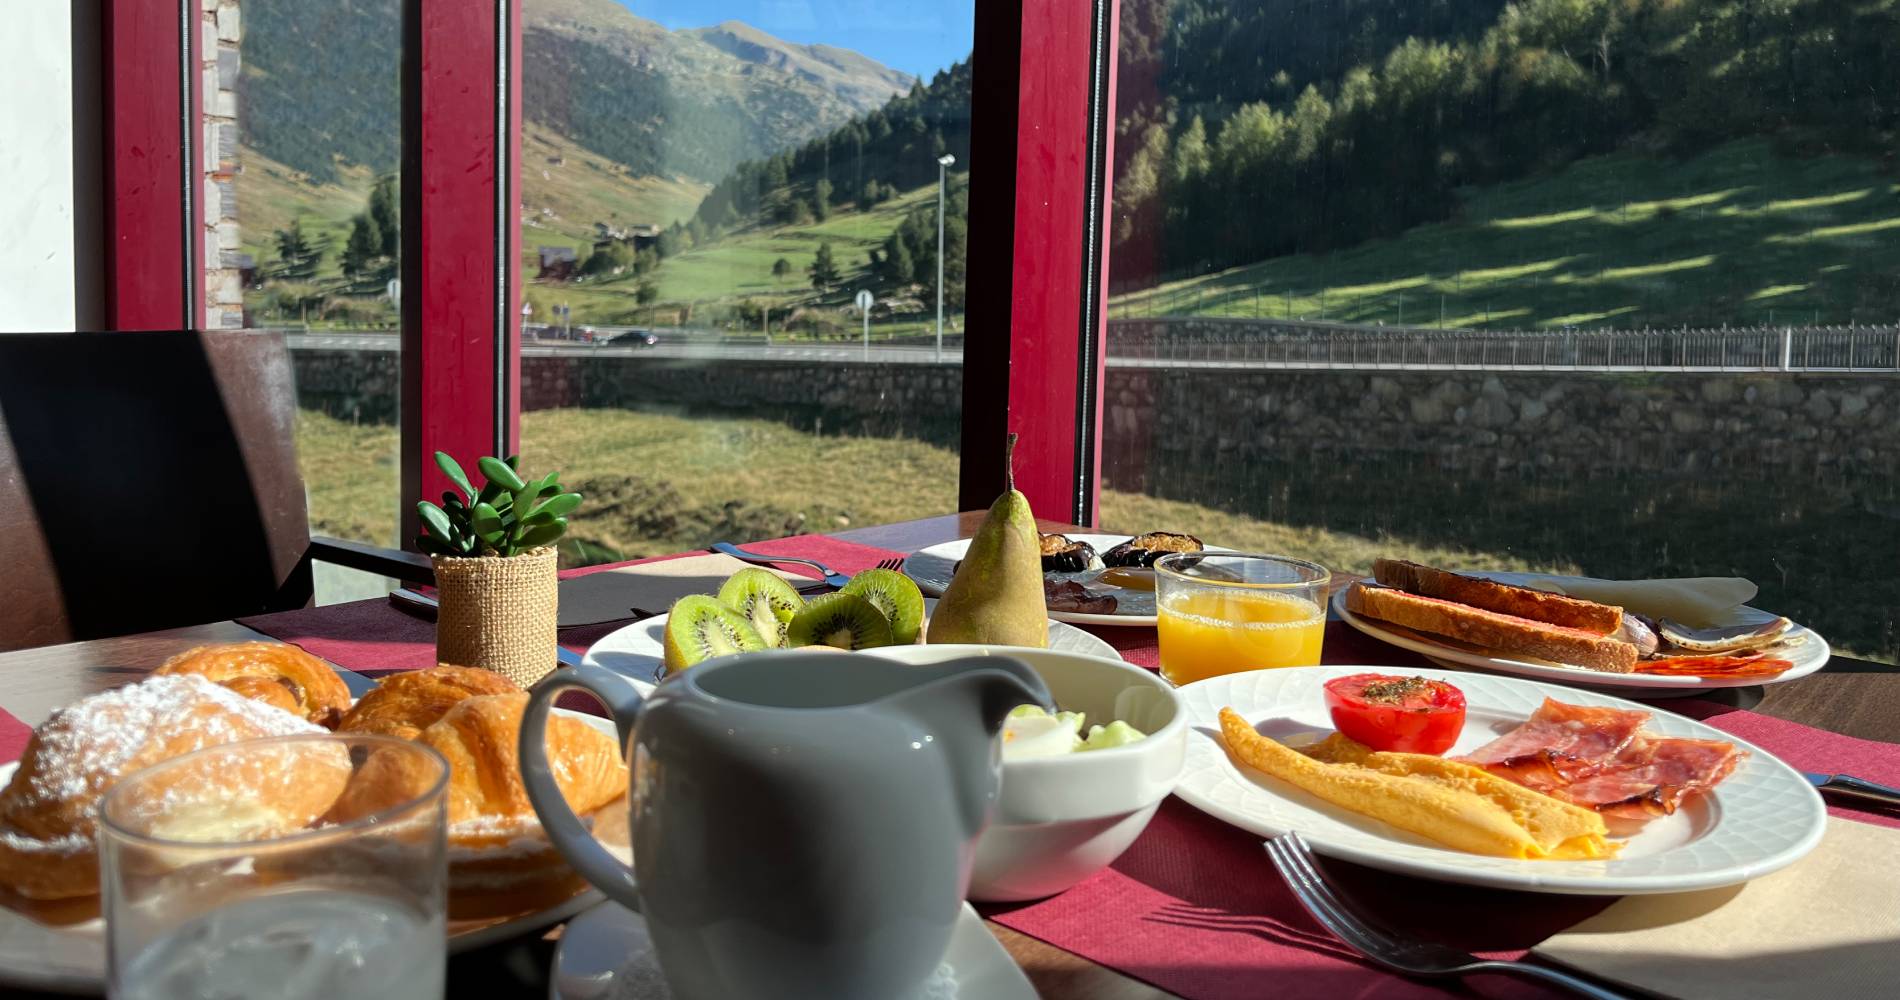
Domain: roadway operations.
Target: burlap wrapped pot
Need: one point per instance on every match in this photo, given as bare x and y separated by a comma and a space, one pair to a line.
498, 613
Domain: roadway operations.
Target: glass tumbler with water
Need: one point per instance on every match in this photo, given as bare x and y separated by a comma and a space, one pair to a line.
302, 867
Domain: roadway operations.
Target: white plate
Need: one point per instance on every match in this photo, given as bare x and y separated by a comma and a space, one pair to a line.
933, 567
72, 959
1761, 818
602, 951
635, 652
1809, 655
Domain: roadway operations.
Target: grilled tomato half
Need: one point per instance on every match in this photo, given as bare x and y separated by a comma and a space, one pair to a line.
1400, 714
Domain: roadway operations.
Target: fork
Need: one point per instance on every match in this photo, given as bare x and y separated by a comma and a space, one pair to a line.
1294, 859
895, 563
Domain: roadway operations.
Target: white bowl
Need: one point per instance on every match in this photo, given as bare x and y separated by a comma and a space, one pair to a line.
1061, 819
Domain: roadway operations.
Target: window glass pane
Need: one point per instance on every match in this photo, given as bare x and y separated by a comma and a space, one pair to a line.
1574, 285
302, 117
708, 192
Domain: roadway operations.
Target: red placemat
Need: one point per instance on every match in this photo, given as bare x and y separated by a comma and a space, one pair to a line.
13, 737
371, 637
1194, 907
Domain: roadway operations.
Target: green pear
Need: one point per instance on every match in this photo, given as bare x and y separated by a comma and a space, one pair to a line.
996, 596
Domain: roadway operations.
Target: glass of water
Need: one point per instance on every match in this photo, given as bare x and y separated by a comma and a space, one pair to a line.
302, 867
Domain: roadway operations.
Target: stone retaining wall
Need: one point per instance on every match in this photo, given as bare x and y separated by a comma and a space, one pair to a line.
1655, 423
1677, 423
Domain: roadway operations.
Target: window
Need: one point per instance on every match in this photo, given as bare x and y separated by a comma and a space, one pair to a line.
1581, 286
302, 150
736, 320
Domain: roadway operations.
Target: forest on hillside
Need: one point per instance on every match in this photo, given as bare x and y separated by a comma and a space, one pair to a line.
864, 163
1253, 130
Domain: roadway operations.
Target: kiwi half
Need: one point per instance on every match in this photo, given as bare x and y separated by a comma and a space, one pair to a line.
846, 621
893, 594
700, 628
763, 598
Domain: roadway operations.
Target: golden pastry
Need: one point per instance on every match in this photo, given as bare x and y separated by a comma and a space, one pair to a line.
403, 705
273, 672
47, 809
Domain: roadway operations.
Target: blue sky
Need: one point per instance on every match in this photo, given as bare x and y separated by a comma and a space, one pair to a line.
919, 37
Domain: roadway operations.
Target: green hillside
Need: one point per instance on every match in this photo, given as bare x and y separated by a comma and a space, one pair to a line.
729, 279
1739, 234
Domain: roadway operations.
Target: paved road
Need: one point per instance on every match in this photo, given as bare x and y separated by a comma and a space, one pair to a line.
684, 345
667, 348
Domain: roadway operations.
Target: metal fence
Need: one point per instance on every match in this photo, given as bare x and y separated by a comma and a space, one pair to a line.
1248, 343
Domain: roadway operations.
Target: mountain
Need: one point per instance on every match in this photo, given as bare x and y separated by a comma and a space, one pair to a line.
319, 87
858, 79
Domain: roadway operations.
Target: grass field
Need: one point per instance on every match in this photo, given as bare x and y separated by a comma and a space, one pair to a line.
1737, 235
658, 483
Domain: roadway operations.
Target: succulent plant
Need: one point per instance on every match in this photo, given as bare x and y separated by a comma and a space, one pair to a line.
507, 517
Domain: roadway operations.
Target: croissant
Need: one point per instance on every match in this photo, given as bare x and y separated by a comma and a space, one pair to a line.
273, 672
479, 737
47, 810
403, 705
500, 860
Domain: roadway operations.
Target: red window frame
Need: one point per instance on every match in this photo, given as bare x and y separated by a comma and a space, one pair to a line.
154, 255
1036, 252
1043, 103
461, 326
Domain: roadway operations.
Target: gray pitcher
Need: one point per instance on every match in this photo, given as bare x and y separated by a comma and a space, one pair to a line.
803, 822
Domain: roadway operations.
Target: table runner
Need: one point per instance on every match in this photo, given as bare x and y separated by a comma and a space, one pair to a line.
13, 737
1193, 907
371, 637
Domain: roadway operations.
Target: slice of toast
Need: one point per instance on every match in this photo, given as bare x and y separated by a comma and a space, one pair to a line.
1505, 599
1491, 630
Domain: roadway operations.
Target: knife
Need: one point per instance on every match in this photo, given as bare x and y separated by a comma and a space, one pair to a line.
1852, 787
421, 605
833, 578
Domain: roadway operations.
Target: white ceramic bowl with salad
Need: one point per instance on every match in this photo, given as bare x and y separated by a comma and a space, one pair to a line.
1065, 812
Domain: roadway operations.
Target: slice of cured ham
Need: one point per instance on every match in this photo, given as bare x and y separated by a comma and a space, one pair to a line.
1598, 758
1652, 776
1559, 744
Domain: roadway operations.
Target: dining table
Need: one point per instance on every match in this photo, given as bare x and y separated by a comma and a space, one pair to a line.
1853, 697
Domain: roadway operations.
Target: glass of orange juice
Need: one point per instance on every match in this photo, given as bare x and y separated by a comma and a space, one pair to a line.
1225, 612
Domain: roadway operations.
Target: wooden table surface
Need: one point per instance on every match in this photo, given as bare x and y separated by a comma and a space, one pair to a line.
1854, 697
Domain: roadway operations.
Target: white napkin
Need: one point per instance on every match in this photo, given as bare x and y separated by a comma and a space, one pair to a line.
1826, 927
1699, 601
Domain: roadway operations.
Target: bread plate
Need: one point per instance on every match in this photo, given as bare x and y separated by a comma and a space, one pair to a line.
71, 958
1761, 818
932, 568
634, 652
1808, 653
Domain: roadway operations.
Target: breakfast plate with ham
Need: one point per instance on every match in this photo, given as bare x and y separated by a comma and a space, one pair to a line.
1495, 781
1527, 625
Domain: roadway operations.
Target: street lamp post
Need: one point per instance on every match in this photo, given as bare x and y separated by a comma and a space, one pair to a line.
943, 164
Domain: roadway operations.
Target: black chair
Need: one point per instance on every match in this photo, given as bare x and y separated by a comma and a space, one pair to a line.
149, 480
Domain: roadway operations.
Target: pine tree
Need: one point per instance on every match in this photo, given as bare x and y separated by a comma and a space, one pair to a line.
824, 269
821, 199
297, 259
386, 212
363, 248
898, 266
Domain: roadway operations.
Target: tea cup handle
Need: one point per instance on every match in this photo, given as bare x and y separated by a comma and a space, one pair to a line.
564, 829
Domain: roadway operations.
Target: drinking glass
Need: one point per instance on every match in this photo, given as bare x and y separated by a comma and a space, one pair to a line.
1225, 612
239, 870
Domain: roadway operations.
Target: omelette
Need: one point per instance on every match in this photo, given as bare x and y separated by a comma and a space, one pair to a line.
1463, 807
